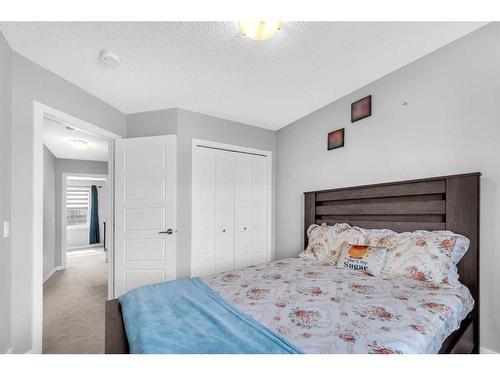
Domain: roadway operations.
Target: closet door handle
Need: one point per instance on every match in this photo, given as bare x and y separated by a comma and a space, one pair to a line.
244, 228
168, 231
223, 231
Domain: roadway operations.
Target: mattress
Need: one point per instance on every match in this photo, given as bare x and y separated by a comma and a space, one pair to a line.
322, 309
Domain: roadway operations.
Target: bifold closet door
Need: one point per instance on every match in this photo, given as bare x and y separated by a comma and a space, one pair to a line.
203, 217
224, 211
250, 209
213, 208
229, 210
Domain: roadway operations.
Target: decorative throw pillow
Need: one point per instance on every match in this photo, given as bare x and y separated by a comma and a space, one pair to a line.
369, 259
325, 241
427, 256
341, 233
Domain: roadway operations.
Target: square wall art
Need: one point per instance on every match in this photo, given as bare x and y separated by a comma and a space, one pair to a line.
336, 139
361, 109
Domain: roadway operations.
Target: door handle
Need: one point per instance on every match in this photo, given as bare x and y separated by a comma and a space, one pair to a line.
168, 231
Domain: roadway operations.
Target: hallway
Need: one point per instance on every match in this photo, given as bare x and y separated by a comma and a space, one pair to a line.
74, 300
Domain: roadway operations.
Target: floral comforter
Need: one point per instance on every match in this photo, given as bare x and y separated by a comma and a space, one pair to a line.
323, 309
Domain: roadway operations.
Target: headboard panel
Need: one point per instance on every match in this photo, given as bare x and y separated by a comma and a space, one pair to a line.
438, 203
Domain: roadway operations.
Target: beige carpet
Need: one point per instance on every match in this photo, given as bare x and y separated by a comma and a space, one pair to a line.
73, 305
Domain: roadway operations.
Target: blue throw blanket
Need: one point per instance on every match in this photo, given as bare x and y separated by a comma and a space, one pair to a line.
186, 316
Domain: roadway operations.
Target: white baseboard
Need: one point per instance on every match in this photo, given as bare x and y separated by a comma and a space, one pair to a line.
484, 350
51, 273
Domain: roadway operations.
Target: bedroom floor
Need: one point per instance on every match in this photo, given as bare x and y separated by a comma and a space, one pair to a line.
73, 305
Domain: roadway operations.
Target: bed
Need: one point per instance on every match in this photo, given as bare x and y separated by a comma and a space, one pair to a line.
368, 315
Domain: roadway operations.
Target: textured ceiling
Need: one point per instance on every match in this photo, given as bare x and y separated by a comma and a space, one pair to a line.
210, 68
56, 136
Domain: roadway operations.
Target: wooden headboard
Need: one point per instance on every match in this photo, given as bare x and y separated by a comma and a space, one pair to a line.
438, 203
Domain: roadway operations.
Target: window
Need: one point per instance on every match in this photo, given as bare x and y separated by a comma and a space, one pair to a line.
77, 205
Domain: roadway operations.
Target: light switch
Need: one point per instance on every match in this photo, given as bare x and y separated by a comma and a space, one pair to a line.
6, 229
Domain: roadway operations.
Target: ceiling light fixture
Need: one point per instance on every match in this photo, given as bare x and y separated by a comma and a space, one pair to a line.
259, 30
78, 144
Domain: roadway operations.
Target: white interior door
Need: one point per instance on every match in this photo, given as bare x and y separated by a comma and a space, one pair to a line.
145, 211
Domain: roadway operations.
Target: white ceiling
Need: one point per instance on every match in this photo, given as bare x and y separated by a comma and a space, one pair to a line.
210, 68
56, 136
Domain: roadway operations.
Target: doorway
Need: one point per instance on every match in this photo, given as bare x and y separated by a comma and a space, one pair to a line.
88, 188
80, 216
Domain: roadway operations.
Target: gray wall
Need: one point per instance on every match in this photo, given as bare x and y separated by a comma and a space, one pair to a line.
71, 166
31, 82
5, 192
49, 211
152, 123
189, 125
449, 125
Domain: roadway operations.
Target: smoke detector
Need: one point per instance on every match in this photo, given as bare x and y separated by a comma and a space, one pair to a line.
109, 58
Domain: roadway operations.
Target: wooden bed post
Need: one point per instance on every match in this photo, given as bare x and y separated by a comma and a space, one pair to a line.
462, 216
309, 213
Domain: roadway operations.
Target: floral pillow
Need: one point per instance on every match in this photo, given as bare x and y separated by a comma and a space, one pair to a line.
325, 241
369, 259
382, 237
426, 256
320, 243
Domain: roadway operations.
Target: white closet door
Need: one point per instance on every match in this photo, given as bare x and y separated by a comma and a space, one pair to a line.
145, 211
229, 213
213, 208
250, 210
259, 224
203, 218
224, 211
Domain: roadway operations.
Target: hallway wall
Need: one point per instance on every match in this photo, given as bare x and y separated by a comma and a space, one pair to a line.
49, 212
5, 191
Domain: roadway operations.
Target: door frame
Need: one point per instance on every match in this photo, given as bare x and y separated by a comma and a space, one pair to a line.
269, 187
64, 184
40, 111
